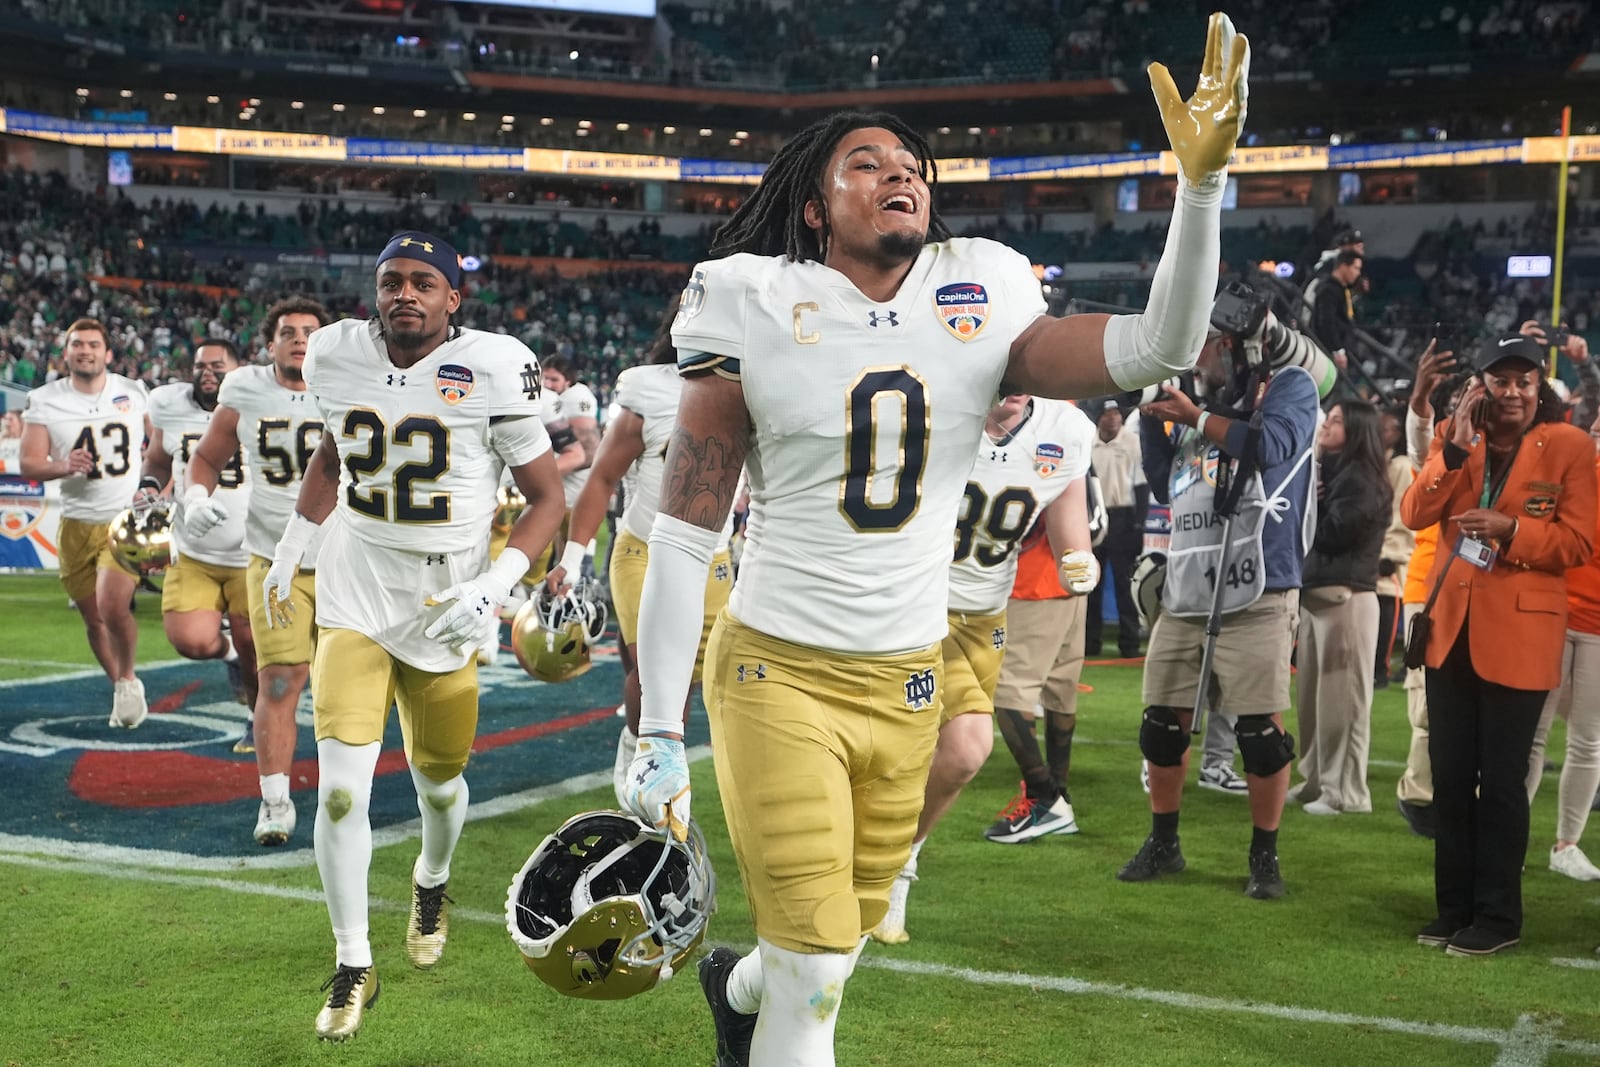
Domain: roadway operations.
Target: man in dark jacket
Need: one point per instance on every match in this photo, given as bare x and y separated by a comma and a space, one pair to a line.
1334, 312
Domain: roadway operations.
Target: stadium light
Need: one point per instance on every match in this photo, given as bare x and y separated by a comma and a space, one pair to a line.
585, 124
508, 119
127, 94
83, 92
669, 129
974, 130
338, 107
213, 99
547, 122
622, 127
469, 116
741, 134
419, 113
583, 132
377, 110
573, 55
705, 131
734, 141
944, 129
169, 97
255, 101
298, 105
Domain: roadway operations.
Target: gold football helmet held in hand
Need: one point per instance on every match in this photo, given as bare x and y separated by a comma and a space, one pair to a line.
511, 503
606, 907
141, 537
553, 634
1204, 129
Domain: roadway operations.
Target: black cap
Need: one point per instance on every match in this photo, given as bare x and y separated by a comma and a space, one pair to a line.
1509, 346
1348, 237
1100, 405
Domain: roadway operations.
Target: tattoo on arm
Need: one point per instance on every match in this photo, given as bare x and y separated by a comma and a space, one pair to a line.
588, 435
702, 474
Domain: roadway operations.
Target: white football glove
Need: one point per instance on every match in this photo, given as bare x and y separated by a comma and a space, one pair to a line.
276, 592
465, 620
657, 785
201, 514
1080, 572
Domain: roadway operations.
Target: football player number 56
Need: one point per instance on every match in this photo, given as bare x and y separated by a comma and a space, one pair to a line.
870, 426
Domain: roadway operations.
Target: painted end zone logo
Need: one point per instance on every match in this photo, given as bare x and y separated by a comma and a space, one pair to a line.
963, 307
175, 785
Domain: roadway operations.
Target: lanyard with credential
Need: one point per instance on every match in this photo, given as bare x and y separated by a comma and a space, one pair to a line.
1490, 494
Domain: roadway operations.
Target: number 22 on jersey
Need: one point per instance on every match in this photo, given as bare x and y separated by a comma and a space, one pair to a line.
401, 504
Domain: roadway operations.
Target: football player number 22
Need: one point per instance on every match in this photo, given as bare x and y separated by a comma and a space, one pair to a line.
866, 429
413, 430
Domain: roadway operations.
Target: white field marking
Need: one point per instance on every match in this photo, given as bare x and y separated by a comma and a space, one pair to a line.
15, 844
1526, 1044
89, 672
5, 662
1577, 963
1133, 742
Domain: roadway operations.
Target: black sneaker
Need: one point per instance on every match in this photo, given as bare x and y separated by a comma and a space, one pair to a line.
1419, 817
1476, 941
1265, 882
734, 1029
1438, 933
1154, 858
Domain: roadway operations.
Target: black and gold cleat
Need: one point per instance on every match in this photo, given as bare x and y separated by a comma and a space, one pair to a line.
428, 925
351, 991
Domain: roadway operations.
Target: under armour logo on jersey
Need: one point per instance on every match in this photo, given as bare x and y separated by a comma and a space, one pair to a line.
875, 319
920, 689
648, 768
999, 637
757, 673
433, 561
396, 379
427, 246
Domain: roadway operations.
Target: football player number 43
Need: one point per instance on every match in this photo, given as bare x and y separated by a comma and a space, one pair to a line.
422, 432
119, 450
870, 427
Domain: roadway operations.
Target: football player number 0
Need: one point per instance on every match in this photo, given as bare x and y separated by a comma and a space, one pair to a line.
413, 430
895, 388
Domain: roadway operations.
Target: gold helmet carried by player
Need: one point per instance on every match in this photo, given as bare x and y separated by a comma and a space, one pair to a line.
141, 537
553, 635
606, 907
509, 509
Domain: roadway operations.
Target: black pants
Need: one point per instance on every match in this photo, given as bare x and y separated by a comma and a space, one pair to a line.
1388, 620
1480, 735
1118, 552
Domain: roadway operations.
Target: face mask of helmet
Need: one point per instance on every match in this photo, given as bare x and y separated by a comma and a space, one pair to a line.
606, 907
553, 635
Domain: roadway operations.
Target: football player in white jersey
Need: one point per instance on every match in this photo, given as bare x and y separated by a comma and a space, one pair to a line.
576, 406
420, 416
206, 580
634, 449
267, 412
1032, 463
86, 428
846, 350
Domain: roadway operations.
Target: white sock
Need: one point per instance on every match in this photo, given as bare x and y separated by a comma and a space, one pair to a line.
744, 984
799, 1006
444, 810
344, 844
231, 653
911, 864
275, 788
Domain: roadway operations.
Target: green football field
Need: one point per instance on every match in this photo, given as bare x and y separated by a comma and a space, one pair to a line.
1025, 955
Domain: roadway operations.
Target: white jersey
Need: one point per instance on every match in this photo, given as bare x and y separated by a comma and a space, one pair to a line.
417, 470
279, 430
651, 392
110, 425
182, 422
577, 402
1012, 483
417, 475
866, 417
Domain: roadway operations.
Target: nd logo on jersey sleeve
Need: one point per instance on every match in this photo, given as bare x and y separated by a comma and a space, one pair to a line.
963, 308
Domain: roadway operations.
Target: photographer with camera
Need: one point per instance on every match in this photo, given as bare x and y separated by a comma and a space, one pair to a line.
1238, 475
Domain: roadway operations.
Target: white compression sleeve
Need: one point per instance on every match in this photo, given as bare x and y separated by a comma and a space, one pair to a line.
671, 616
1419, 437
1166, 340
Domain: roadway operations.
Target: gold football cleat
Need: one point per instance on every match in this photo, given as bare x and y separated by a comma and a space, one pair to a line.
353, 989
428, 926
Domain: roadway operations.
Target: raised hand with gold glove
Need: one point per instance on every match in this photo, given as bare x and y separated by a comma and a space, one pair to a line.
1204, 129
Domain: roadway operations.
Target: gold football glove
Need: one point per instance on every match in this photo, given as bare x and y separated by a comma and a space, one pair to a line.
1204, 129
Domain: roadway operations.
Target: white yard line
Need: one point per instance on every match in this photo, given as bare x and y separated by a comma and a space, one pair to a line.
81, 672
1528, 1043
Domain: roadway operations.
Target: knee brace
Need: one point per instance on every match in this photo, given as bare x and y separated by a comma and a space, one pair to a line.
1264, 747
1162, 738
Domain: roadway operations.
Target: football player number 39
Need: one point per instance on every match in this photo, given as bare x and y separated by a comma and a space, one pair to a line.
871, 424
415, 431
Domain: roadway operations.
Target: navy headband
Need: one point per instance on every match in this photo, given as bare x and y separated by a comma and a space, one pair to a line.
426, 248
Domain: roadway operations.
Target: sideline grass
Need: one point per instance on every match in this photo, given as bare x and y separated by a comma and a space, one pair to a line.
104, 970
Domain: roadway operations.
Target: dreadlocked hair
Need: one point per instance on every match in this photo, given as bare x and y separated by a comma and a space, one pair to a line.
772, 220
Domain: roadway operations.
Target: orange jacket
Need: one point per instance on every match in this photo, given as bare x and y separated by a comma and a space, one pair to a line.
1583, 590
1421, 565
1038, 576
1519, 606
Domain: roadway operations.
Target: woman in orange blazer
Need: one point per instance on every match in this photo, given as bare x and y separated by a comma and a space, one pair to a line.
1512, 488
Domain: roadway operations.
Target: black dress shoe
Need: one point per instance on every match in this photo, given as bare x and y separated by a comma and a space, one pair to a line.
1419, 817
1476, 941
